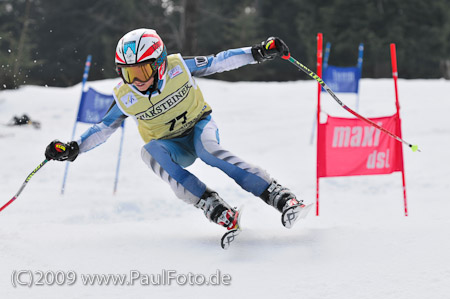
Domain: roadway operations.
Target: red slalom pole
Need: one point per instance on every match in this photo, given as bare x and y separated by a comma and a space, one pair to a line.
397, 105
23, 185
319, 91
395, 74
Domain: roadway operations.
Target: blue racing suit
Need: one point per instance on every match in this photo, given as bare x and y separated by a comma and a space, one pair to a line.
168, 157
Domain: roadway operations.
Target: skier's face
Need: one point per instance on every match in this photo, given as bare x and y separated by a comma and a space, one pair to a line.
143, 86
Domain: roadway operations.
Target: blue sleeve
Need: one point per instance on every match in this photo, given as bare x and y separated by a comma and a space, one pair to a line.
201, 66
99, 133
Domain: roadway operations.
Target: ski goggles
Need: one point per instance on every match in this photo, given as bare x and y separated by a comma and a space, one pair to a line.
140, 72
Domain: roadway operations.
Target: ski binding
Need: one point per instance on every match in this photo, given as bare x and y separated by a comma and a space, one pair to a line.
230, 236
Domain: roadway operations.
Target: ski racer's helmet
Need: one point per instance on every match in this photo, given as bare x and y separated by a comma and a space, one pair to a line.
141, 54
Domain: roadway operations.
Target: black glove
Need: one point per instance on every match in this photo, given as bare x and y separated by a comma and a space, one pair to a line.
61, 151
269, 49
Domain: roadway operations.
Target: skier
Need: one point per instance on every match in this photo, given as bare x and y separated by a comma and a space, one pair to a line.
175, 122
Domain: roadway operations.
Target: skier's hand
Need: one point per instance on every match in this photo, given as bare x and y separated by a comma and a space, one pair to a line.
269, 49
61, 151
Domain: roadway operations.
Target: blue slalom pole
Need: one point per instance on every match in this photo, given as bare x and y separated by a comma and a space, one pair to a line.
327, 55
360, 55
83, 83
359, 65
119, 158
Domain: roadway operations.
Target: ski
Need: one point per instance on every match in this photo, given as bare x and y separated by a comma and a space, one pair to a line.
288, 219
291, 215
230, 236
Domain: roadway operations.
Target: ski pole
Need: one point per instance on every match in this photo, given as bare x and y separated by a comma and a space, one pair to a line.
325, 86
24, 184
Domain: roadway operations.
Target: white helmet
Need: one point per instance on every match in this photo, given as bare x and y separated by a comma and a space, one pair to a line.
141, 46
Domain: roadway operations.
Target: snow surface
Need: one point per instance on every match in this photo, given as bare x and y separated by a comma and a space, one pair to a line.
361, 246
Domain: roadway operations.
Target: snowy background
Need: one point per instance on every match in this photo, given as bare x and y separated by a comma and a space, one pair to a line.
361, 246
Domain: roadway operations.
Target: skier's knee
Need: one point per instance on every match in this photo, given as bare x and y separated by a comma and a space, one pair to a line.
208, 151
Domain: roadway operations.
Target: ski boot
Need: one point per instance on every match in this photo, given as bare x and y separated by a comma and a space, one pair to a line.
279, 197
282, 199
218, 211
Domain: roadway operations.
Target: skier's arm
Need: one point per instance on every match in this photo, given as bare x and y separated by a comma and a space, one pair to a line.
94, 136
235, 58
99, 133
201, 66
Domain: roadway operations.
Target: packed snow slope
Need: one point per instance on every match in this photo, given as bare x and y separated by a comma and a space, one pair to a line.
361, 245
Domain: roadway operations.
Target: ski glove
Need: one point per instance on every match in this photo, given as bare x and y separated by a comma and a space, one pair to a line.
269, 49
60, 151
